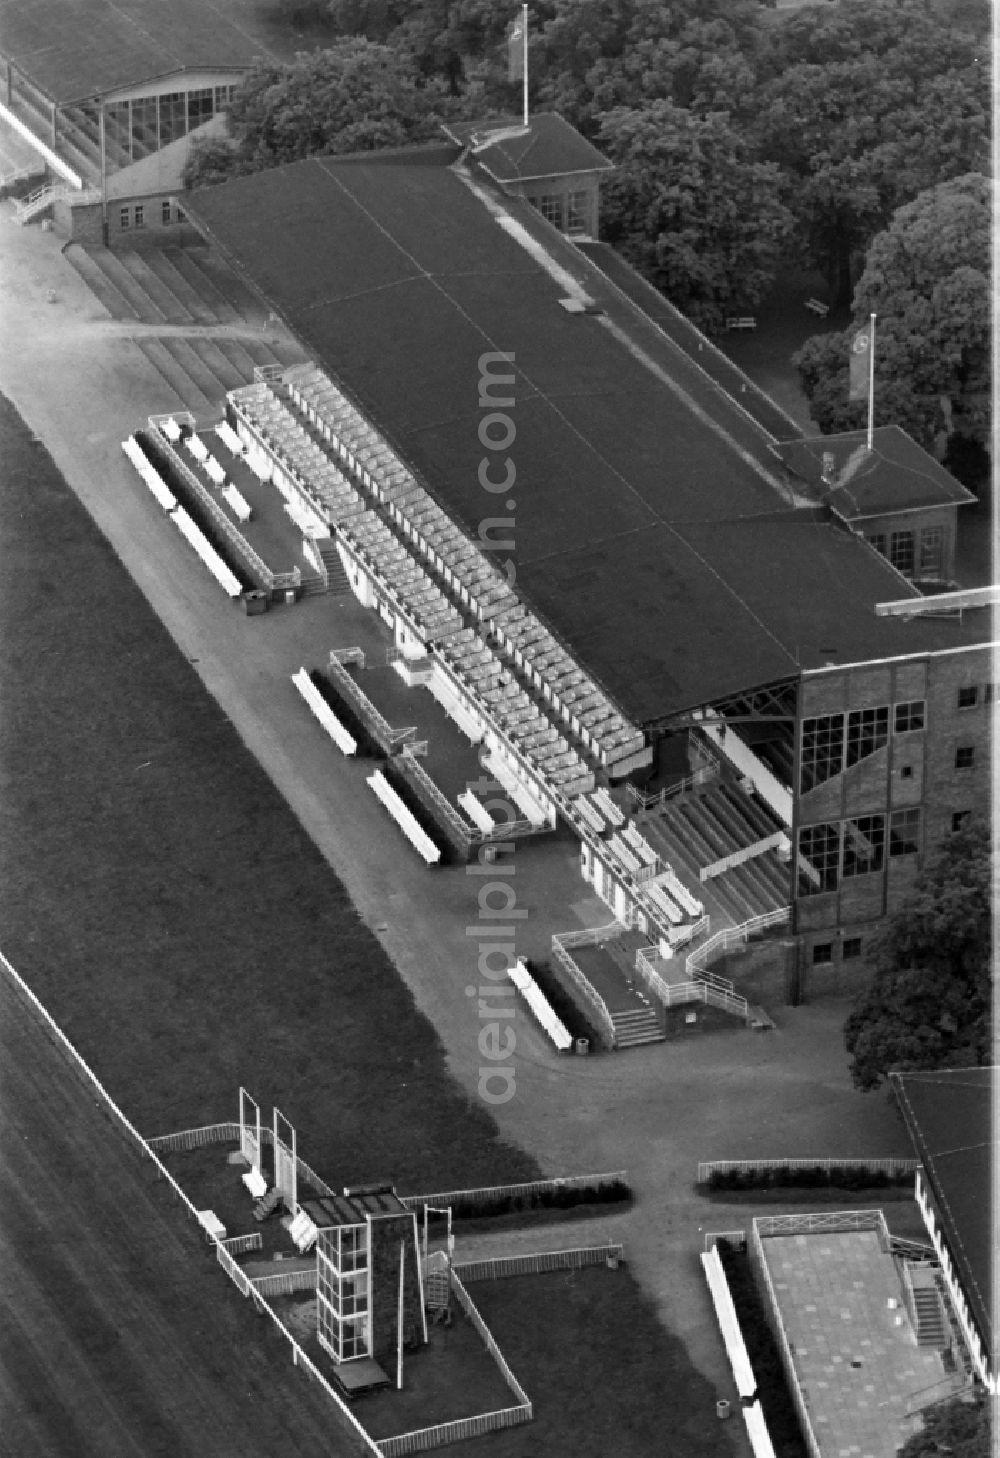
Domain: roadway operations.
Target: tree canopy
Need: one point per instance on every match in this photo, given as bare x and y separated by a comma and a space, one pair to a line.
927, 278
352, 97
928, 1005
959, 1428
691, 209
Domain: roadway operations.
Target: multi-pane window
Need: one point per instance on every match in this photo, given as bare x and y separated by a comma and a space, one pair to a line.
199, 107
224, 96
145, 134
909, 716
551, 207
867, 730
819, 858
576, 212
932, 551
904, 832
125, 219
165, 213
822, 749
852, 948
965, 756
140, 215
117, 127
822, 954
864, 845
968, 697
173, 116
880, 542
901, 552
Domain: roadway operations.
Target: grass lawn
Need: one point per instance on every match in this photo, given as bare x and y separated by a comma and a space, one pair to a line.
569, 1336
163, 901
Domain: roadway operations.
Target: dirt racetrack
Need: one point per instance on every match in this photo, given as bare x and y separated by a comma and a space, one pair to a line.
119, 1336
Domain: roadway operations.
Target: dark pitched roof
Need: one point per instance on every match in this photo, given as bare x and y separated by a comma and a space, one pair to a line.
650, 531
549, 147
75, 49
896, 475
949, 1115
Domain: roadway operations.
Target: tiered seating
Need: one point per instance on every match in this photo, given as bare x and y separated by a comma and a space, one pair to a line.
634, 838
622, 854
589, 815
605, 806
663, 903
671, 882
315, 475
601, 729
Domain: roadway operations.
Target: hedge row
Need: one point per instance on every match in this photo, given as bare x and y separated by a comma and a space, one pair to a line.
762, 1349
156, 452
557, 1197
812, 1177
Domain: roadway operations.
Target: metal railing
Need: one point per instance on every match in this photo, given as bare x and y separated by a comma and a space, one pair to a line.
825, 1222
733, 936
593, 999
495, 1268
285, 1283
236, 1245
389, 738
642, 803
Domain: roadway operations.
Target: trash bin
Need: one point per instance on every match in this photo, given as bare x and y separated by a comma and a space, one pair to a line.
290, 596
255, 602
582, 1047
722, 1408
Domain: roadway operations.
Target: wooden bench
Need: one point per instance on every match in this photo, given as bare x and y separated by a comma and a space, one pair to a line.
816, 306
747, 321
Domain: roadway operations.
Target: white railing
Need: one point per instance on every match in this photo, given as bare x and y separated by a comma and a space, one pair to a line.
236, 1274
52, 158
468, 1306
421, 1440
496, 1268
595, 1002
745, 853
733, 936
185, 1139
642, 802
236, 1245
825, 1222
285, 1283
679, 936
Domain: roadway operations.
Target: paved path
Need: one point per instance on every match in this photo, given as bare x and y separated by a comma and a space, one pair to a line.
655, 1110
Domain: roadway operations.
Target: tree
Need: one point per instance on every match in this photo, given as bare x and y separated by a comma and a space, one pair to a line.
691, 209
354, 96
927, 278
957, 1428
929, 1003
863, 105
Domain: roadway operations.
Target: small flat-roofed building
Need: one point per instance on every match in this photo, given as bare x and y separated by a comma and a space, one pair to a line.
840, 1300
949, 1115
546, 162
896, 495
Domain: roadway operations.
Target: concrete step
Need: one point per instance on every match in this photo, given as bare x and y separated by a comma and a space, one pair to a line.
190, 262
195, 367
180, 383
170, 306
161, 262
637, 1040
229, 285
141, 304
106, 292
218, 361
240, 359
758, 1019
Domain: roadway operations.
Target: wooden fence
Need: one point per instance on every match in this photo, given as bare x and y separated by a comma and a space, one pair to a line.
423, 1439
240, 1244
225, 1133
285, 1283
891, 1167
486, 1193
495, 1268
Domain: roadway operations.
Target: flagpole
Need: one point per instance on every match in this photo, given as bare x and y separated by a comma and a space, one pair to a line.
524, 68
871, 379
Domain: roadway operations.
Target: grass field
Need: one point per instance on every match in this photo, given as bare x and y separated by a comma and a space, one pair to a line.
120, 1335
165, 904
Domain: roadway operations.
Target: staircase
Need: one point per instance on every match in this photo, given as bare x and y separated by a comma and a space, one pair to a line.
635, 1027
928, 1317
337, 580
311, 584
268, 1204
32, 206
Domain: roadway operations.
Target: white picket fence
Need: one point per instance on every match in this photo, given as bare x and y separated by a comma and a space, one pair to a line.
496, 1268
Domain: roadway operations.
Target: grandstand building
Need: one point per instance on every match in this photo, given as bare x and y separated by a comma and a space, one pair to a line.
97, 94
668, 620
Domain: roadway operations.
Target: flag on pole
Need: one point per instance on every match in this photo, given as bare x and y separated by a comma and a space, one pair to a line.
515, 50
860, 364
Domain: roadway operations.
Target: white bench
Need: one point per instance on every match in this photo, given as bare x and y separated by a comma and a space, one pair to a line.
745, 321
196, 446
211, 1224
216, 472
241, 508
255, 1183
816, 306
229, 438
170, 428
